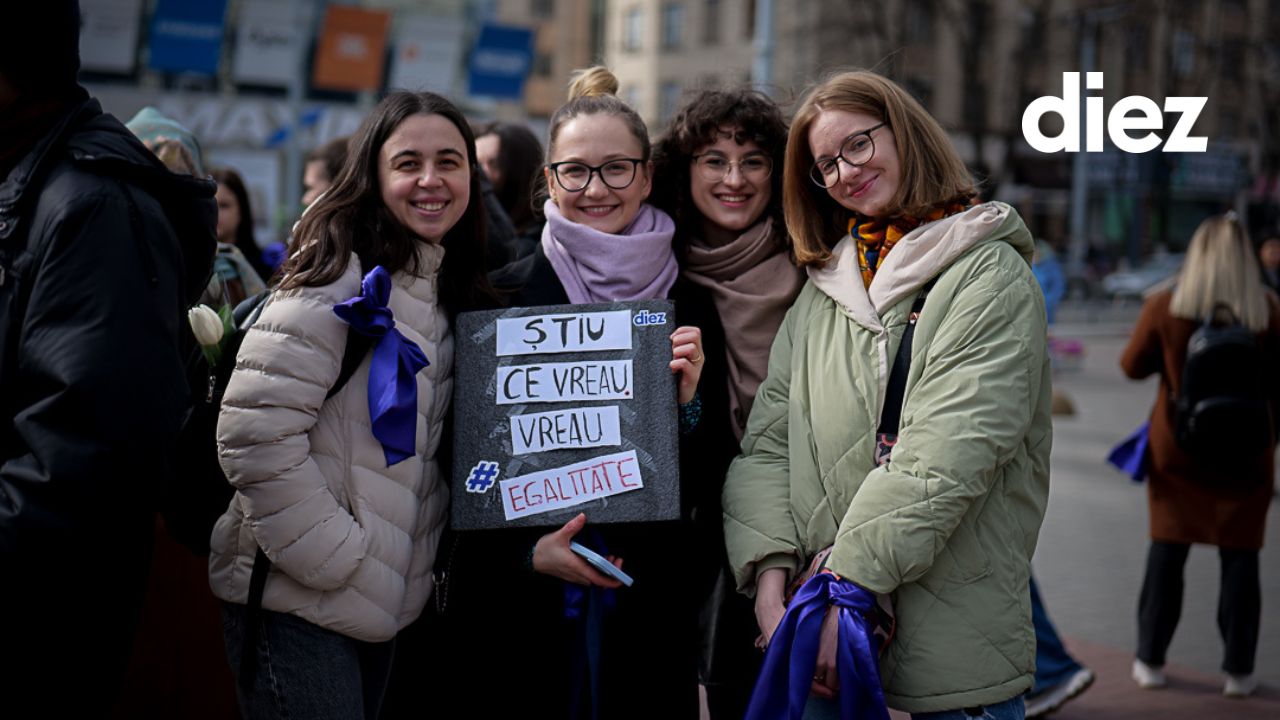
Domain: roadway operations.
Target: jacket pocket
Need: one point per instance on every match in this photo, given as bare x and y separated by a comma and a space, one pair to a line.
970, 562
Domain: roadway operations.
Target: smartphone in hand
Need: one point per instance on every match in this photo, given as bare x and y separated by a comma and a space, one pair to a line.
600, 563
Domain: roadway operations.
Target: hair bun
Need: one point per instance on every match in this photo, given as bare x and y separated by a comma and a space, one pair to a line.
593, 82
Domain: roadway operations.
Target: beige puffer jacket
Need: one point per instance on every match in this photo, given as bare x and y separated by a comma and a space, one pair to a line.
351, 541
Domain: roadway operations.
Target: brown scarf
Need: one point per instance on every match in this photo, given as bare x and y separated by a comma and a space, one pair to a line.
875, 238
752, 283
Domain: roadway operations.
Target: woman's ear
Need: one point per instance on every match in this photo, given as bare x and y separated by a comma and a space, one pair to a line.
550, 179
648, 179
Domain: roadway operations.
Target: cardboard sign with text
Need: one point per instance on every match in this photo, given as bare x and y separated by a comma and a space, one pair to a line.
565, 409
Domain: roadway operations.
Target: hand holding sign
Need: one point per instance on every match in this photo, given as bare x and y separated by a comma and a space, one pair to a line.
687, 360
552, 556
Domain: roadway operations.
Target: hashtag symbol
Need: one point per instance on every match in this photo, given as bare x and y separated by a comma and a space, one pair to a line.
482, 477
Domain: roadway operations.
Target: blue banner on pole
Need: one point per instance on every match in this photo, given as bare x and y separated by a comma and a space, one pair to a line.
501, 61
186, 35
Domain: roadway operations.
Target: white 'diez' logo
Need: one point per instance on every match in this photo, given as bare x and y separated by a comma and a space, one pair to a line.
1129, 113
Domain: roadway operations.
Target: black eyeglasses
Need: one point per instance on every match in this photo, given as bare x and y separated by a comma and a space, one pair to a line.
575, 176
856, 150
714, 167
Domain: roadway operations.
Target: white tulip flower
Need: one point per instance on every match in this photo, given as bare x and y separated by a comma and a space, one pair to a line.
205, 324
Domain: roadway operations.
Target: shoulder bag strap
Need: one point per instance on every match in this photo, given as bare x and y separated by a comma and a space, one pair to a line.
891, 413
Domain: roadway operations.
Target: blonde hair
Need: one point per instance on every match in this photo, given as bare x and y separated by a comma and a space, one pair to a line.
595, 81
1220, 270
593, 91
175, 156
931, 170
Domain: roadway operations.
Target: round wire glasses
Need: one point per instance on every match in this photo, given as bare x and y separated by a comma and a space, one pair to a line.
714, 167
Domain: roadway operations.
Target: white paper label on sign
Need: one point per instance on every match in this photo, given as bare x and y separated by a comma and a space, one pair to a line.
575, 332
572, 428
565, 382
547, 490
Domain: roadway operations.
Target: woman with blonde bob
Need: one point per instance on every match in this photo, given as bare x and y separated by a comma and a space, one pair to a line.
1219, 497
881, 211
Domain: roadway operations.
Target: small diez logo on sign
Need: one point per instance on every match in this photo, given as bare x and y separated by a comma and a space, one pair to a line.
644, 318
482, 477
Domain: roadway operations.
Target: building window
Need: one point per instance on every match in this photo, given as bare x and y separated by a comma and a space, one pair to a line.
542, 64
632, 28
543, 8
672, 25
920, 21
751, 19
920, 89
631, 96
711, 23
1136, 48
670, 100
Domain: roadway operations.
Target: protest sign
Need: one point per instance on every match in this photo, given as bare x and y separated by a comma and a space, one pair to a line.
565, 409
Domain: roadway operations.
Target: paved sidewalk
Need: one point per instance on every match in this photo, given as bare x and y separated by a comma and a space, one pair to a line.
1191, 695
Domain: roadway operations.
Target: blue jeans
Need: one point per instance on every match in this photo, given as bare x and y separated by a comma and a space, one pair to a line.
820, 709
1053, 663
1011, 709
306, 671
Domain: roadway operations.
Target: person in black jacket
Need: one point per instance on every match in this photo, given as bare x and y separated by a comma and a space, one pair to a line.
93, 285
528, 628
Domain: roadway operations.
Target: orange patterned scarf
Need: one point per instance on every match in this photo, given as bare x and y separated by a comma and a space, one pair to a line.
875, 238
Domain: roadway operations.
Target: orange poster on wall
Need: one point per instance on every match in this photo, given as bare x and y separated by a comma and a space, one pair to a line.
352, 49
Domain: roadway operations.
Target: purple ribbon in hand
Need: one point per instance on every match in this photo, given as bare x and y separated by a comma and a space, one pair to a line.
393, 384
785, 680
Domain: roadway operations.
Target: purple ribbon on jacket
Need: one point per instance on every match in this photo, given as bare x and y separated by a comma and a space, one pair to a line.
782, 689
393, 384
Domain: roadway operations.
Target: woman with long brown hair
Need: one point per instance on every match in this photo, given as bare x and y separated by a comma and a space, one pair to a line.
342, 497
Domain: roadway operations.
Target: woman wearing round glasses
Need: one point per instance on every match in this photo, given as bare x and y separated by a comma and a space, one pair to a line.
940, 508
718, 171
567, 640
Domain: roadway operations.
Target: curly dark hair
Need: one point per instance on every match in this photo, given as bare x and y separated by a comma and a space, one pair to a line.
753, 117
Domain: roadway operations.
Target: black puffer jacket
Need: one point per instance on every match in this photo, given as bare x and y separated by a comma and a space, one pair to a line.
93, 287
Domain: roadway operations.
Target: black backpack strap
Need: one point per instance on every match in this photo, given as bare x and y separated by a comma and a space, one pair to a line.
253, 622
891, 413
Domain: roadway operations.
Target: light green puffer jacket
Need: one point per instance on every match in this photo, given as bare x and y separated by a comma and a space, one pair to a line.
949, 525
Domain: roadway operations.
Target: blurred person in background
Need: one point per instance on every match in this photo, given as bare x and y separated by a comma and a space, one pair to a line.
234, 278
511, 156
235, 219
1060, 678
1214, 496
322, 168
1048, 272
101, 251
718, 174
1269, 259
